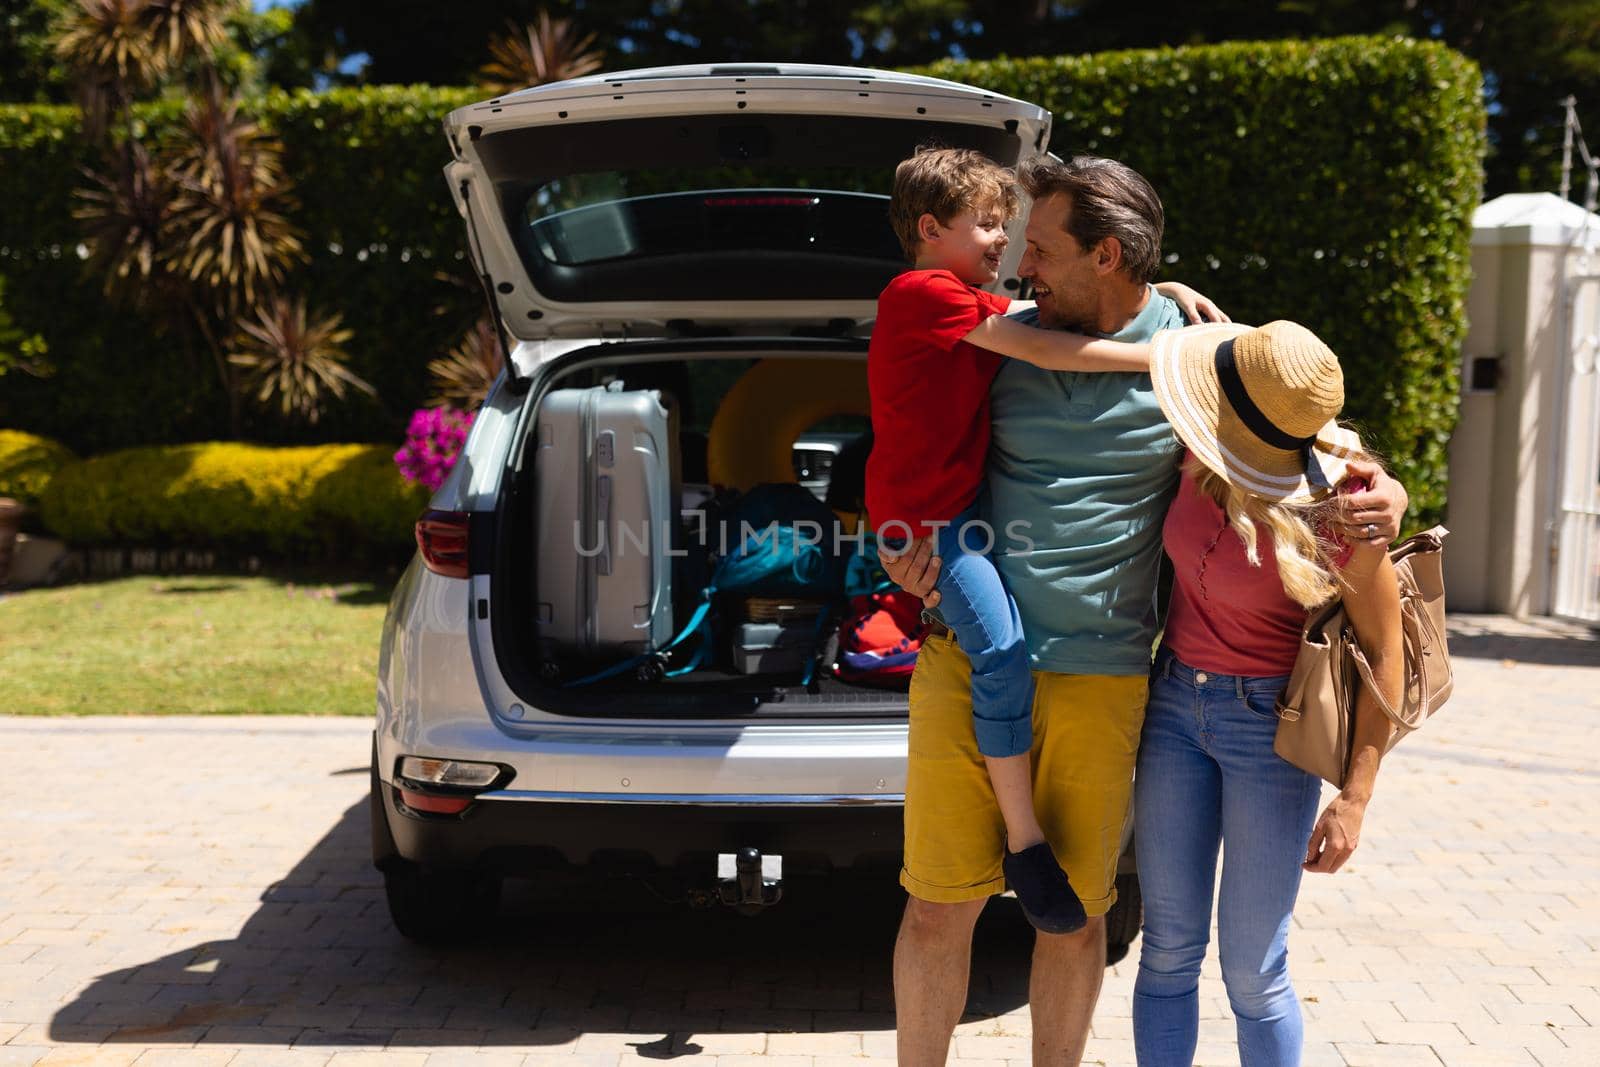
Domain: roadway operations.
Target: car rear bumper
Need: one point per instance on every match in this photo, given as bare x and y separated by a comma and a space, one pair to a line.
524, 832
643, 762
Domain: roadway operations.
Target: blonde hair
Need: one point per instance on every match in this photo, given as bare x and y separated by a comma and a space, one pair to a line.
1304, 555
943, 182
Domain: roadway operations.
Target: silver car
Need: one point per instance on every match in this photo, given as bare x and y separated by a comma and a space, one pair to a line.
673, 226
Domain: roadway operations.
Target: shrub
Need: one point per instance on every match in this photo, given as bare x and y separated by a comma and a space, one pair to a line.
1331, 182
27, 463
338, 501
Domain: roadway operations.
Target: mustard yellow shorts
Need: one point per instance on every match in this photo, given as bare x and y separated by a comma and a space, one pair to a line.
1085, 738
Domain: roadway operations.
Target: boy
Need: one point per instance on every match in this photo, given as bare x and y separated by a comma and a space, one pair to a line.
936, 347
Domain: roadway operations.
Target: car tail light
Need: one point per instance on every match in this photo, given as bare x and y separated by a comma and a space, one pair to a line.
444, 786
459, 774
435, 805
442, 540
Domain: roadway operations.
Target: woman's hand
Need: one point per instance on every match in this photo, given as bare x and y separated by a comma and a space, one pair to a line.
1372, 605
1336, 834
914, 568
1195, 306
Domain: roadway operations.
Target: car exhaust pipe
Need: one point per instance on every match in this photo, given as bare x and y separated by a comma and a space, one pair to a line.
749, 882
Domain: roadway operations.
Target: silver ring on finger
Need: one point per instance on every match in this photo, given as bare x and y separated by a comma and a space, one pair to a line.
1371, 531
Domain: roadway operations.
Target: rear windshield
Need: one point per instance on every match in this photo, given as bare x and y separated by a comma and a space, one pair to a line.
785, 207
609, 224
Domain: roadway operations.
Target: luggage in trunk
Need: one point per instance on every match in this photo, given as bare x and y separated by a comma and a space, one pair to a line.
776, 635
774, 647
607, 512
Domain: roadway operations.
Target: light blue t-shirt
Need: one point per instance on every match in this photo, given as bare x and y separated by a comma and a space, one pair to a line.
1084, 465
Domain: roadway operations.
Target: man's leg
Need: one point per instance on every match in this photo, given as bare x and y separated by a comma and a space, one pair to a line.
1087, 731
932, 965
1067, 969
953, 843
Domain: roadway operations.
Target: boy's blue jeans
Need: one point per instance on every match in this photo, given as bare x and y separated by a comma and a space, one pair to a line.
975, 604
1207, 776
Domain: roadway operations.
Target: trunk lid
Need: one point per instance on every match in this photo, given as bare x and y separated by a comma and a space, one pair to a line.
707, 200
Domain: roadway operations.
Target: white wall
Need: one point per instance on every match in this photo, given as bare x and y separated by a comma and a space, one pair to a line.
1505, 455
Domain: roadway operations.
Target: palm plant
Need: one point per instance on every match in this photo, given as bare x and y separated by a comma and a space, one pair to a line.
200, 221
462, 377
178, 29
226, 238
228, 229
547, 50
124, 214
117, 49
291, 357
107, 46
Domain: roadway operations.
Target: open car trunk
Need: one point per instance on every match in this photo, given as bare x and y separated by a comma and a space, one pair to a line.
707, 221
737, 417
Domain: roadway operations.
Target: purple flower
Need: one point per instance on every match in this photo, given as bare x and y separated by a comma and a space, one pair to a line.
434, 439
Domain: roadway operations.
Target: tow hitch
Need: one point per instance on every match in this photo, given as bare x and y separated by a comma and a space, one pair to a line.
749, 881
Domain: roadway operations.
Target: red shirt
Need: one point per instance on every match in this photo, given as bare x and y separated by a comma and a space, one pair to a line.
1228, 616
930, 399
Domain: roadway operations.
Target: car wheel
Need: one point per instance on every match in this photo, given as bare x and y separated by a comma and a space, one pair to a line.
1124, 918
437, 907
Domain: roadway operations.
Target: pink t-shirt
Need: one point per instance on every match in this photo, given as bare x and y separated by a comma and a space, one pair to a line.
1227, 615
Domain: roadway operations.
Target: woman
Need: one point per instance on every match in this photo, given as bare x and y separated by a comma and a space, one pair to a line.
1249, 536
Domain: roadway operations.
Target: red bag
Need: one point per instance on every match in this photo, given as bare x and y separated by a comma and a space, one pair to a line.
880, 638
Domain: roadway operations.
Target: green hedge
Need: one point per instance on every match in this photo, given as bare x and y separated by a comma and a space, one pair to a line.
27, 463
384, 239
1332, 182
334, 501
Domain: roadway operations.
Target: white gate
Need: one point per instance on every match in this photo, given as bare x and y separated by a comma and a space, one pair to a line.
1577, 535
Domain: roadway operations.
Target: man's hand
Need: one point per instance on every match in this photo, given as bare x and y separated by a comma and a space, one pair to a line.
1336, 835
914, 568
1373, 516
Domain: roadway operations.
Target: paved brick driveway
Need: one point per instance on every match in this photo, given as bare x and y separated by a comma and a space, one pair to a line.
196, 891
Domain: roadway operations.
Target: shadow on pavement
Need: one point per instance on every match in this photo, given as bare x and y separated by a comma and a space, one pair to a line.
1554, 650
318, 964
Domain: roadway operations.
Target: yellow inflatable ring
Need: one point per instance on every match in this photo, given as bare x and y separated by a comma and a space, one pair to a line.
753, 434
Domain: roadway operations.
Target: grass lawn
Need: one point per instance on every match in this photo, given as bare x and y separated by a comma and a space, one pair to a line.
207, 644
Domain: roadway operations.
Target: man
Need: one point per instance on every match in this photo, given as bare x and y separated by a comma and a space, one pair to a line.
1083, 466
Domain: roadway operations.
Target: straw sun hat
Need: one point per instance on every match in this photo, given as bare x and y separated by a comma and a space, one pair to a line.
1257, 405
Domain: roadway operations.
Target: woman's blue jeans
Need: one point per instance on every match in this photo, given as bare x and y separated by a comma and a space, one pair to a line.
1207, 777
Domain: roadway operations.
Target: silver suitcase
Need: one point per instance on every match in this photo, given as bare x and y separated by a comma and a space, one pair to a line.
605, 469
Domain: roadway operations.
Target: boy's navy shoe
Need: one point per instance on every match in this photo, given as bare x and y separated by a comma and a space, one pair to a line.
1043, 891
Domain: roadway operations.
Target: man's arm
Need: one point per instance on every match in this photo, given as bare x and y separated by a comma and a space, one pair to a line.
1374, 515
914, 568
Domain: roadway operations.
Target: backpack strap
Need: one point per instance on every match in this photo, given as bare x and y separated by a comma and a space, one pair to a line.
699, 622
